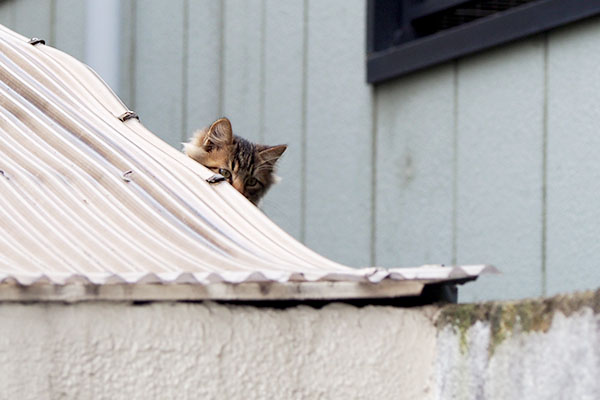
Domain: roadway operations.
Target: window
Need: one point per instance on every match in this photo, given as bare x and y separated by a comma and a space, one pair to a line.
408, 35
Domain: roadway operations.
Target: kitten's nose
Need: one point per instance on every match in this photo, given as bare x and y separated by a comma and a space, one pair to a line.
239, 186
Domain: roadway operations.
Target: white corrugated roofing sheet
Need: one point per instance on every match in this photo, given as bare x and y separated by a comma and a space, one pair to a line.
89, 200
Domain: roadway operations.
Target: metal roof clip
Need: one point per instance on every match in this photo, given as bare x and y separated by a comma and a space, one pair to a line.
216, 178
34, 41
128, 115
126, 175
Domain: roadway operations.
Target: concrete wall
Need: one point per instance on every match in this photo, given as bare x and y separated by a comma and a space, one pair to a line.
207, 351
487, 159
530, 350
538, 349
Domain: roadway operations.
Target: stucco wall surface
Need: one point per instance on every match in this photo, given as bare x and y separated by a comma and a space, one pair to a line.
210, 351
533, 349
527, 350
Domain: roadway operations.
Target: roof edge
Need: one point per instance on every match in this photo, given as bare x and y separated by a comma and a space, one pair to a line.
246, 291
369, 283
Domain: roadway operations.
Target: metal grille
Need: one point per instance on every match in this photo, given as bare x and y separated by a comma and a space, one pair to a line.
462, 14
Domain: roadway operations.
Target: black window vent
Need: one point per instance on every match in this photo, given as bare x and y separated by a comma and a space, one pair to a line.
463, 14
407, 35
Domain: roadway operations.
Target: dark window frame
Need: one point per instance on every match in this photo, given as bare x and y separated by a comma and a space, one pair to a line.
386, 60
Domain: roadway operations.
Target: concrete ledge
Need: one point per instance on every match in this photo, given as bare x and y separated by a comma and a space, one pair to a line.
531, 349
111, 350
245, 291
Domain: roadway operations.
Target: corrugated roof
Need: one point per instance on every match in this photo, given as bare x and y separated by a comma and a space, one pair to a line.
90, 197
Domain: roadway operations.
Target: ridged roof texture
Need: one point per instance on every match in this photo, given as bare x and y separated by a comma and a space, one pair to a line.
86, 197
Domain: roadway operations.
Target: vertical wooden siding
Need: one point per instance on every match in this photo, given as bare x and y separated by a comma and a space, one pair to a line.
339, 154
59, 22
499, 172
573, 166
160, 65
490, 158
284, 107
414, 163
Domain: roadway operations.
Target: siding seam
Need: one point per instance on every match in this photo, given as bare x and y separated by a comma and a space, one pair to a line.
221, 57
374, 138
262, 78
13, 15
185, 69
303, 184
455, 166
545, 170
52, 38
132, 57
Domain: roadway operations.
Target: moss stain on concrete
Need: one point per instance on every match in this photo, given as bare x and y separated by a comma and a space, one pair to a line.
507, 318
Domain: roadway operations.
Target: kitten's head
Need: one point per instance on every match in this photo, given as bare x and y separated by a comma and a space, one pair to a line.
249, 167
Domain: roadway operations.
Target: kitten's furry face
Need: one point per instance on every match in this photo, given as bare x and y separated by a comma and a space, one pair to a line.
249, 167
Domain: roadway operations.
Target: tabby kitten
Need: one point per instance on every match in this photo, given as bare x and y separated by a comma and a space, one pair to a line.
249, 167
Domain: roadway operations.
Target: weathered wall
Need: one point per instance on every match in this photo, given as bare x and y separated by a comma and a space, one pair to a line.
208, 351
562, 363
487, 159
529, 350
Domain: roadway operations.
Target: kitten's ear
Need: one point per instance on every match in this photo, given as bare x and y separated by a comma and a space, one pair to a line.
271, 154
218, 135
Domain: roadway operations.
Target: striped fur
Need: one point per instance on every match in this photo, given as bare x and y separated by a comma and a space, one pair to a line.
250, 166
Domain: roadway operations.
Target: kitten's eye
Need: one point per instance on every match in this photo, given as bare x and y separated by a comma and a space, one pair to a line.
225, 173
251, 182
